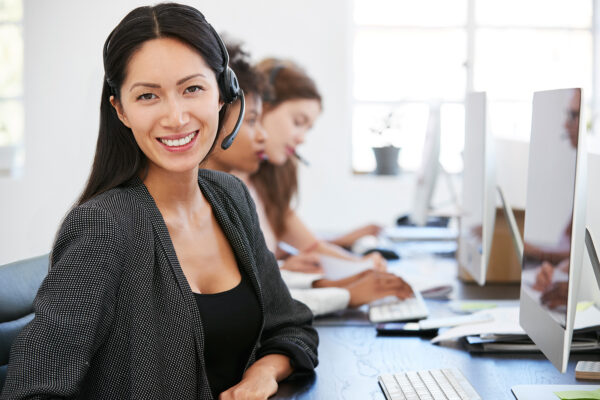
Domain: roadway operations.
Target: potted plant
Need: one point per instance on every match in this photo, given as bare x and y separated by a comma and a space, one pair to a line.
386, 153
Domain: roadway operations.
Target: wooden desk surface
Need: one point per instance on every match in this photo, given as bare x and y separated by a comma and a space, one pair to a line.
351, 357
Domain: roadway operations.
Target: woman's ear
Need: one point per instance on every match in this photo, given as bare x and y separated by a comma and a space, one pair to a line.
120, 112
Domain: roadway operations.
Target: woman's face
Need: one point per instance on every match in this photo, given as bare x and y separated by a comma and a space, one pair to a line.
248, 148
286, 126
170, 101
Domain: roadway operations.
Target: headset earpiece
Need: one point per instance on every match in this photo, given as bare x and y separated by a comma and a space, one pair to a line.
230, 90
229, 86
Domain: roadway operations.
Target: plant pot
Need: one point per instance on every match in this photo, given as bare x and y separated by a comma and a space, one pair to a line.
386, 159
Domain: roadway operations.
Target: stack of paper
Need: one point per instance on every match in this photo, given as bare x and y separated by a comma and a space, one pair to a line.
503, 332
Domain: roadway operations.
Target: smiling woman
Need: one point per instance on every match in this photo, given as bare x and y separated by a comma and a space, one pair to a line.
161, 269
170, 101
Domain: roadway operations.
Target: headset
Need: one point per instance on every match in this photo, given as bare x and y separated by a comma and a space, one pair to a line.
230, 89
272, 76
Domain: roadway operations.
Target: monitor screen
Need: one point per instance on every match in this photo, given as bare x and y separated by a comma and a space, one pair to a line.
478, 191
430, 165
554, 211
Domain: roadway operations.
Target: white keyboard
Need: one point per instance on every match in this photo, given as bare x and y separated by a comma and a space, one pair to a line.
391, 308
432, 384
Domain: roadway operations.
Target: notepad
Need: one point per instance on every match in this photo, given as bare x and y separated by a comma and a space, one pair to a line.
579, 395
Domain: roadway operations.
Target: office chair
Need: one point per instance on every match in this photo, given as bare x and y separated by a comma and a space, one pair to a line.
19, 283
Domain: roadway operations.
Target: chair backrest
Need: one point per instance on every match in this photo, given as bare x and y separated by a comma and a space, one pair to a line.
19, 283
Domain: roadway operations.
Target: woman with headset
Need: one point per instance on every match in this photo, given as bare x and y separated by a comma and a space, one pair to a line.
161, 286
291, 106
243, 159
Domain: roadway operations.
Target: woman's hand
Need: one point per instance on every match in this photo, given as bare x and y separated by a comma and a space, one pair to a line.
543, 277
260, 380
379, 263
254, 386
375, 285
303, 262
556, 295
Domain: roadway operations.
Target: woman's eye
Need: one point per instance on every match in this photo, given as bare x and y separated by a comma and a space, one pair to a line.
193, 89
251, 121
146, 96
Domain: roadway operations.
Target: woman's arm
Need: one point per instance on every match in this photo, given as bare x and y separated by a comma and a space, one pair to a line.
74, 310
288, 327
347, 240
299, 236
260, 380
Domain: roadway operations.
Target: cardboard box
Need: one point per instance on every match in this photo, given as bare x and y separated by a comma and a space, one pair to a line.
504, 265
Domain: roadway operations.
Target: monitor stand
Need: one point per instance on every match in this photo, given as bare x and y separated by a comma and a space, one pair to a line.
546, 392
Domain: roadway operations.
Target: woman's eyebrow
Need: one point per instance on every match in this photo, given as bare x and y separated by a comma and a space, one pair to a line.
157, 86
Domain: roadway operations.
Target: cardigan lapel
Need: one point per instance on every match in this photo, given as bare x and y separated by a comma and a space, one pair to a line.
140, 191
228, 217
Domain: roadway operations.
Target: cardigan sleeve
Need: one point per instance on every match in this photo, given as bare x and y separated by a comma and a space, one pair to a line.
74, 308
288, 323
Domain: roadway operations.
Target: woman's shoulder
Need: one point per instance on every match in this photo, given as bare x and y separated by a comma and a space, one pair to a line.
113, 201
224, 184
119, 206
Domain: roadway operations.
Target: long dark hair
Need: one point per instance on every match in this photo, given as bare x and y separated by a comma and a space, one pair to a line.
277, 185
118, 158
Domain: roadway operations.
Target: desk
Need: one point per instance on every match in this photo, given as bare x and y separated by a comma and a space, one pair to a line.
351, 358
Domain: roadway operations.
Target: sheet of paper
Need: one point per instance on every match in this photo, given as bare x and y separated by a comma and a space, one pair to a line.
506, 322
336, 268
586, 316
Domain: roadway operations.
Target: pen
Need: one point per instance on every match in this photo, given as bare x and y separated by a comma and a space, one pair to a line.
299, 158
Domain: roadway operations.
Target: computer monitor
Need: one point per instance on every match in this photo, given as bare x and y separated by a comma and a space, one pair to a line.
478, 213
430, 166
554, 223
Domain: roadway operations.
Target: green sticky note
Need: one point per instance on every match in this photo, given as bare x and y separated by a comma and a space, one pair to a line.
579, 395
476, 305
584, 305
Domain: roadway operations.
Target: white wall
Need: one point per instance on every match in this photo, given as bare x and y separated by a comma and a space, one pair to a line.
63, 75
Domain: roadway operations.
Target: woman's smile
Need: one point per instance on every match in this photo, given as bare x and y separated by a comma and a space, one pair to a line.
180, 142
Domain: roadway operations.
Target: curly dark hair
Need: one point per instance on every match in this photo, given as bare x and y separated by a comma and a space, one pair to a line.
251, 81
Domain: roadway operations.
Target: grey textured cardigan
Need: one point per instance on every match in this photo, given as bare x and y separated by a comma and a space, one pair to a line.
116, 319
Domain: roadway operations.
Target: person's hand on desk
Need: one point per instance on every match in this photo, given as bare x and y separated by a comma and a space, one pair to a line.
543, 277
303, 262
555, 295
374, 285
545, 273
260, 380
379, 263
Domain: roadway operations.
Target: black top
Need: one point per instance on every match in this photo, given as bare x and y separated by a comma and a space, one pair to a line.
231, 322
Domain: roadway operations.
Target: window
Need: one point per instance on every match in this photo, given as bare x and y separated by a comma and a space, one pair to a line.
408, 55
11, 82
